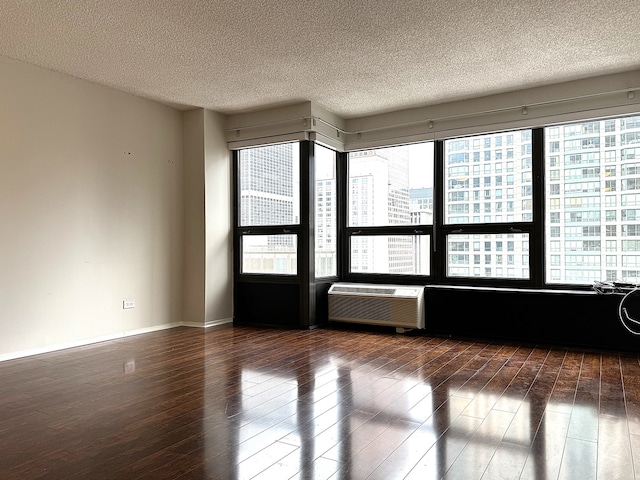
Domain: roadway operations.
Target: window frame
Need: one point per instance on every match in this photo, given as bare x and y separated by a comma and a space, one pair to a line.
531, 228
411, 230
242, 231
535, 227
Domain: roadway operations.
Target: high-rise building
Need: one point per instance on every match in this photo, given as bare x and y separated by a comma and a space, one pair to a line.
488, 179
421, 211
593, 201
379, 196
268, 185
592, 205
269, 195
326, 241
421, 206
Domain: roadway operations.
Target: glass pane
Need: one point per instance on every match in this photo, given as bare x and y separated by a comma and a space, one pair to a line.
391, 186
488, 256
592, 183
270, 254
270, 185
325, 217
395, 254
487, 178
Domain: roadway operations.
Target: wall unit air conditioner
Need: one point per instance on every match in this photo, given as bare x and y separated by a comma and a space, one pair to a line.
400, 306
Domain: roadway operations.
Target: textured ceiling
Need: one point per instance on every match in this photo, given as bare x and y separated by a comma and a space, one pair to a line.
351, 57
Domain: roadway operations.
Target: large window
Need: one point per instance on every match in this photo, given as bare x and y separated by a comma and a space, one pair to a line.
269, 197
488, 205
592, 201
390, 209
557, 206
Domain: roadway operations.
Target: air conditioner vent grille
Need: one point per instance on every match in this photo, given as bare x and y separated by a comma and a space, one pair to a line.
372, 308
377, 304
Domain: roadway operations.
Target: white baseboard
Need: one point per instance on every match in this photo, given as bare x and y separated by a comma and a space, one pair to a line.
212, 323
221, 321
155, 328
106, 338
84, 341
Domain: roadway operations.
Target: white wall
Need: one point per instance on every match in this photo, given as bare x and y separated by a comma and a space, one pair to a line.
91, 211
194, 218
208, 263
218, 222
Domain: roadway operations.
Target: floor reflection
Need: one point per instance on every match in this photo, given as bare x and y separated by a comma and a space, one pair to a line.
253, 403
443, 433
342, 418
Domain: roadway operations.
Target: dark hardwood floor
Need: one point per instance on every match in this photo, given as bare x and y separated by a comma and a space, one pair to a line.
334, 403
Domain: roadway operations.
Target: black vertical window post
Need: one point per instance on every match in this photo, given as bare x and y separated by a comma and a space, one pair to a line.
306, 235
536, 248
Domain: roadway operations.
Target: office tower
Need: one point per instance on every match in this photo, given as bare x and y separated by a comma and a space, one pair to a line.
593, 201
269, 185
379, 196
488, 180
326, 220
269, 195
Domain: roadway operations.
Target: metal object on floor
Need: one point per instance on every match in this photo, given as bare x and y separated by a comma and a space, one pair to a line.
630, 301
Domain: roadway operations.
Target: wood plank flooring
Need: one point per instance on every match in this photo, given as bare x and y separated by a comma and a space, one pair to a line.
334, 403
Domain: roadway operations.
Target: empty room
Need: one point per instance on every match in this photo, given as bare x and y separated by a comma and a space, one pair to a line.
319, 240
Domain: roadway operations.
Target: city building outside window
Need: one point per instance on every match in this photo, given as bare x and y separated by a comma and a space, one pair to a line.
269, 186
601, 186
564, 197
519, 208
326, 208
389, 188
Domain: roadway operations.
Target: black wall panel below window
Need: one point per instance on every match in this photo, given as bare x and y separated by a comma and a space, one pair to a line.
568, 319
322, 303
273, 304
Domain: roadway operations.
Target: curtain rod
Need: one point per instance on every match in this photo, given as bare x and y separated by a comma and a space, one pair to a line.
311, 121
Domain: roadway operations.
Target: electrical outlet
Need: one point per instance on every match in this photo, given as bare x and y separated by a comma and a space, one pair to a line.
128, 304
129, 366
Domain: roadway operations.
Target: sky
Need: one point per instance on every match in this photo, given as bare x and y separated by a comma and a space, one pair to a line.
421, 165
